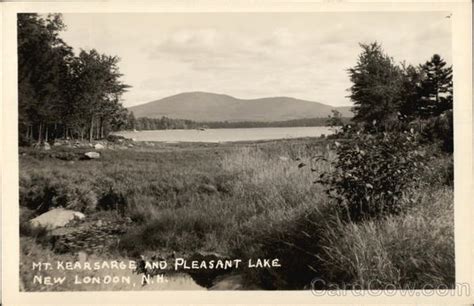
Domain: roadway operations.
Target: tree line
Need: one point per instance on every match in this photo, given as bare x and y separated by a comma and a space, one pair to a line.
164, 123
388, 94
61, 94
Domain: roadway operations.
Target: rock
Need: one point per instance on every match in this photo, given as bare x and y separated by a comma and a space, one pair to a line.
57, 144
81, 256
99, 223
55, 218
45, 146
130, 145
283, 158
92, 155
98, 146
79, 216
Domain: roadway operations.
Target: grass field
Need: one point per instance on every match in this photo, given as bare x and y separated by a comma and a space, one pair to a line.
246, 200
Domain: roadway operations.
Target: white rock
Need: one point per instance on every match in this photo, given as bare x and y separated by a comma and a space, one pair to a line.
283, 158
98, 146
55, 218
45, 146
79, 216
81, 256
92, 155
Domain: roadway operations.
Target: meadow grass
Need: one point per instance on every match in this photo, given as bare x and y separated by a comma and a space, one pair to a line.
251, 200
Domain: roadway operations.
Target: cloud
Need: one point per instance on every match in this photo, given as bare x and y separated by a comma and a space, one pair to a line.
305, 55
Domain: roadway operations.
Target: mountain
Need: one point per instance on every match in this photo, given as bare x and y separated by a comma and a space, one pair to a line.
203, 106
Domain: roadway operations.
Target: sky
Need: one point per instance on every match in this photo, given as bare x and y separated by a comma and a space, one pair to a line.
253, 55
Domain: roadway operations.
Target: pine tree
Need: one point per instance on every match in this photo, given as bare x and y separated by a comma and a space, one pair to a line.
376, 86
436, 88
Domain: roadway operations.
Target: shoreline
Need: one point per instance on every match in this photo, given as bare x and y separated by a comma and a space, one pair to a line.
226, 135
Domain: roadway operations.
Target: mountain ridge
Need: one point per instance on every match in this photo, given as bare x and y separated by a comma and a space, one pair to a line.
205, 106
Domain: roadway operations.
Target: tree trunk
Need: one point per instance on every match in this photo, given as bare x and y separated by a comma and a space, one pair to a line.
40, 136
46, 133
98, 129
91, 130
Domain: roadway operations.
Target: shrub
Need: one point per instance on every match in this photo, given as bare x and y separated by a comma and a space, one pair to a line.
43, 190
74, 196
113, 199
115, 138
440, 130
372, 172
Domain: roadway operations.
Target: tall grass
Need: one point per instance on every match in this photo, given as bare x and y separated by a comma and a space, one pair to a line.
254, 201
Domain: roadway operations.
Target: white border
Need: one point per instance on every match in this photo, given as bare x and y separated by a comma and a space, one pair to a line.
461, 25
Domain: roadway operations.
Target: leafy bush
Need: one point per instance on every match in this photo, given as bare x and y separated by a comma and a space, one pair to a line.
115, 138
440, 130
44, 190
372, 172
74, 196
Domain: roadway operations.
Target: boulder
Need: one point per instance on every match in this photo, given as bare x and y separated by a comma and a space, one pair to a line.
99, 146
55, 218
92, 155
45, 146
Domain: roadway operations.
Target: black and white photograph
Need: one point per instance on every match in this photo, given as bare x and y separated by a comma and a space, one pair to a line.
251, 151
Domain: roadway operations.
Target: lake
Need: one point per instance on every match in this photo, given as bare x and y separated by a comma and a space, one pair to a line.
227, 135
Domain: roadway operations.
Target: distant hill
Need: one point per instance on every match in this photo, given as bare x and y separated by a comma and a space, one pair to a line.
203, 106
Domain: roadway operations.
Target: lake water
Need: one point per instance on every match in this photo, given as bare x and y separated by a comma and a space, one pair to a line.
227, 135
